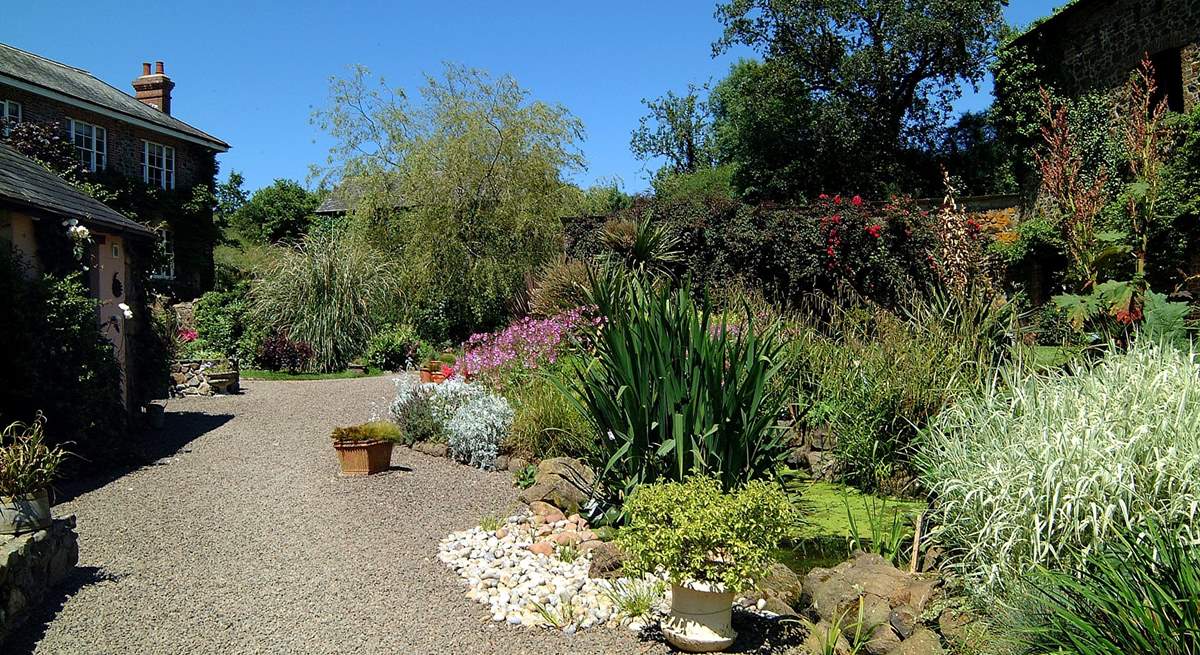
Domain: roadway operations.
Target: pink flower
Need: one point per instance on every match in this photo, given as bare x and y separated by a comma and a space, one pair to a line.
875, 230
857, 201
188, 336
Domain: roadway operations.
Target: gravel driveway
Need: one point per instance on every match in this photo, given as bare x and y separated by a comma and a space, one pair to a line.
241, 538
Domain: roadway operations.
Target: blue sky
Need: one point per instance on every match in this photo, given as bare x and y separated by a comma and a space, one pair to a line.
251, 72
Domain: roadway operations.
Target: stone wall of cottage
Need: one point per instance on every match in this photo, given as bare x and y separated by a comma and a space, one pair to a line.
1095, 44
31, 565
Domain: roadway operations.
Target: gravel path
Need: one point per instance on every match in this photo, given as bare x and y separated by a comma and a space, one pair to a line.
242, 538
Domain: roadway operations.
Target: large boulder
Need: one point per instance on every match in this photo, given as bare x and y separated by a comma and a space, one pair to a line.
779, 590
563, 482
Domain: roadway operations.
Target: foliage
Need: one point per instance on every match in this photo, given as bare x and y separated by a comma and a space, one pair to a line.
224, 324
881, 76
230, 197
394, 348
279, 352
1140, 595
696, 532
560, 287
279, 213
547, 424
640, 245
413, 413
677, 129
517, 352
715, 182
477, 169
472, 418
675, 392
475, 430
57, 359
490, 523
326, 292
371, 431
874, 377
1042, 469
887, 534
27, 464
635, 598
526, 477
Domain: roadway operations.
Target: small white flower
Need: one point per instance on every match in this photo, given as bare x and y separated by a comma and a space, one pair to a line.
123, 307
128, 314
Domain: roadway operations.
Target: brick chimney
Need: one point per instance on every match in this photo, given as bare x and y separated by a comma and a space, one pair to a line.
154, 89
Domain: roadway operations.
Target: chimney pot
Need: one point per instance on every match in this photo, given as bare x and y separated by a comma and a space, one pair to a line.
154, 90
158, 67
145, 68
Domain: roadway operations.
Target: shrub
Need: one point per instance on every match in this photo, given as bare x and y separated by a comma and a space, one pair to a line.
695, 532
472, 419
325, 292
874, 377
561, 287
674, 392
548, 424
27, 464
413, 413
1042, 469
57, 359
507, 357
1141, 595
279, 353
372, 431
224, 324
394, 349
475, 430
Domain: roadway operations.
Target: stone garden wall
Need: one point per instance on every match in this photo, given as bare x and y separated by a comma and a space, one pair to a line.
197, 377
31, 565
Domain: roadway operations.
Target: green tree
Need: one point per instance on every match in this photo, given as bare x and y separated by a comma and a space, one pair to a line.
679, 129
873, 79
231, 197
281, 212
464, 184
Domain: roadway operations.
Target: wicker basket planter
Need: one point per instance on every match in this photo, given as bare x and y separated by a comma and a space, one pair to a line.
364, 457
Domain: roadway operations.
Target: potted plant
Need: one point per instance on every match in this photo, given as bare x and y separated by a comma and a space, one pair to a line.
365, 449
711, 545
27, 467
429, 369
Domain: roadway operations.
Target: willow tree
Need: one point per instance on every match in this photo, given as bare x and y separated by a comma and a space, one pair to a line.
462, 182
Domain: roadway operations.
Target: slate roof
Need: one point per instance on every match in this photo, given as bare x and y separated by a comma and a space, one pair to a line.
29, 186
347, 194
81, 85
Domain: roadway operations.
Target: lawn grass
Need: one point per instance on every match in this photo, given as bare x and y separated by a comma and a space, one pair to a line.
258, 374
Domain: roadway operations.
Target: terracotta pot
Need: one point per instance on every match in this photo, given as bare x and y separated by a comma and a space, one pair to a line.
364, 457
701, 618
437, 377
426, 376
24, 513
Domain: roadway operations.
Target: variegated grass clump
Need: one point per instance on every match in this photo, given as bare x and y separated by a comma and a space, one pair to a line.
1042, 470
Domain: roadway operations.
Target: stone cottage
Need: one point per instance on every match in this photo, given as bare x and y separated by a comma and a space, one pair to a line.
1093, 45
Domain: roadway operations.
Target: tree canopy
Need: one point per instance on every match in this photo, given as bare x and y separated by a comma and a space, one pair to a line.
281, 212
464, 182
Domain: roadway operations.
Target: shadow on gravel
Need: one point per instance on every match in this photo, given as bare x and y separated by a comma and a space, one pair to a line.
756, 634
26, 638
146, 448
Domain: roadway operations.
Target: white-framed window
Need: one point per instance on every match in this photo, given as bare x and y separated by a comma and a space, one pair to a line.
10, 113
158, 165
166, 256
91, 142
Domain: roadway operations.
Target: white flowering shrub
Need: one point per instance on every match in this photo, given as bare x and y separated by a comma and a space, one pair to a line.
1043, 470
473, 419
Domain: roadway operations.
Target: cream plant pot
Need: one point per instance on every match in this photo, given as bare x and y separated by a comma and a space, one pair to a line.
700, 619
24, 513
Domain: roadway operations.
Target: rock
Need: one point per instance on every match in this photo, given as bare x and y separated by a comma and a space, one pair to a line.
904, 620
822, 464
557, 491
588, 546
179, 378
922, 642
437, 450
955, 626
516, 464
828, 593
542, 548
607, 561
918, 593
501, 463
798, 457
565, 538
883, 640
567, 468
782, 583
542, 509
